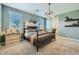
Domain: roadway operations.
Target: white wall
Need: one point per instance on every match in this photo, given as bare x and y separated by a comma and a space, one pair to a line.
55, 23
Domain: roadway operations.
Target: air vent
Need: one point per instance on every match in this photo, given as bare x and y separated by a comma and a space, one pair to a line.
37, 10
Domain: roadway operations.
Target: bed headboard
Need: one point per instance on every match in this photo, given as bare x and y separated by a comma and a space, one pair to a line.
30, 27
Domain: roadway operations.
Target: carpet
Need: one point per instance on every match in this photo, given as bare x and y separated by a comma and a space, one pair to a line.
62, 46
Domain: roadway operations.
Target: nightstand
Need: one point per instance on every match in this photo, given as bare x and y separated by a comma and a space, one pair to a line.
12, 38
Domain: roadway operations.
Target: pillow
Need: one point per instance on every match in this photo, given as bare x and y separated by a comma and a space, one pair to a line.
42, 29
30, 30
26, 33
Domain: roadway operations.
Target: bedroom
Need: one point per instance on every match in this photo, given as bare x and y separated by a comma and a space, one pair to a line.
17, 21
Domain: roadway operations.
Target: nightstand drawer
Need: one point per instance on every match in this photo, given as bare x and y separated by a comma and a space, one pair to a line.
12, 42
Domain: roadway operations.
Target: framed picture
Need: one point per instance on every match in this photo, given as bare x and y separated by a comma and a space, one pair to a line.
70, 22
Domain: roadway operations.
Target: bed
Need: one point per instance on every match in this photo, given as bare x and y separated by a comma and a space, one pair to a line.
38, 38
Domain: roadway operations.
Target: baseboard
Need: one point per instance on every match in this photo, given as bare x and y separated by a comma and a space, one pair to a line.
71, 39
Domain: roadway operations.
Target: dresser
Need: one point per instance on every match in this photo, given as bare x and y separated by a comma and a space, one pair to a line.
12, 38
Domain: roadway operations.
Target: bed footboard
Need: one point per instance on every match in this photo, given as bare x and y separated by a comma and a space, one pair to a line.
42, 41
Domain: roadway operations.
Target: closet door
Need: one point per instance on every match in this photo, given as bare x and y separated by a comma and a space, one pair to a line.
0, 17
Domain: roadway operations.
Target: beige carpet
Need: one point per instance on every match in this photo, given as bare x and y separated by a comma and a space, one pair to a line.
62, 46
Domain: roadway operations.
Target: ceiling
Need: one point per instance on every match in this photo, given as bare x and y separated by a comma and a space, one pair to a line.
40, 8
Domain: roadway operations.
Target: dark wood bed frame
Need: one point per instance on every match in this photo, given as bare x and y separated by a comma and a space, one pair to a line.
39, 43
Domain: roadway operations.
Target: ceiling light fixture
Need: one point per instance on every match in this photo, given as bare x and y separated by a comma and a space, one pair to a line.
50, 12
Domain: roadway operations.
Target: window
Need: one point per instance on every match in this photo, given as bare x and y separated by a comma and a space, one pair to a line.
15, 20
49, 24
42, 23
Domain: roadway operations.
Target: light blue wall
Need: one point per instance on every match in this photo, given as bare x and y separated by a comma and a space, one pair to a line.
25, 16
71, 32
0, 18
